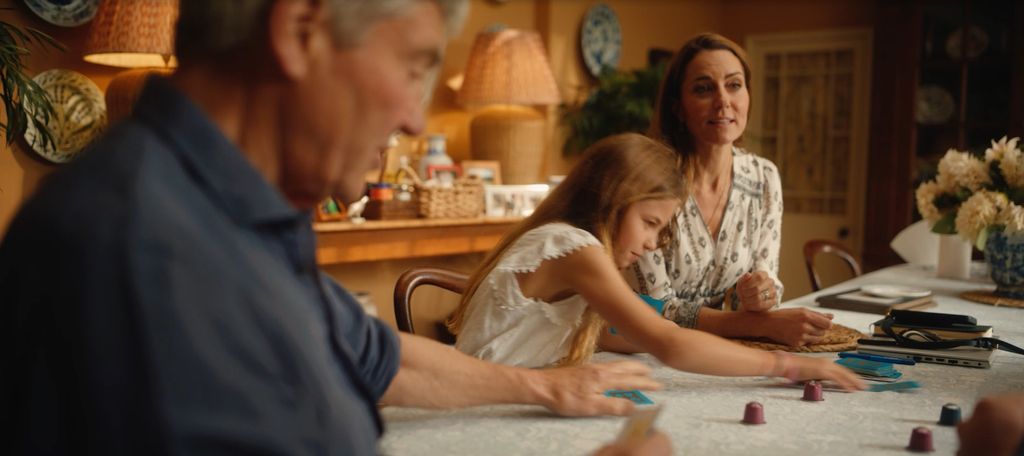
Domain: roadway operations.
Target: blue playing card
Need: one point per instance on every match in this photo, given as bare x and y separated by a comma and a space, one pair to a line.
898, 386
636, 396
868, 367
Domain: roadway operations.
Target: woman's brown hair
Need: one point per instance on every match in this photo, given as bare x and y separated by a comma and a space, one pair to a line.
666, 124
612, 174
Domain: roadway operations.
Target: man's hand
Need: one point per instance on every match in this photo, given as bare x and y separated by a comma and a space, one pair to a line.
432, 375
756, 292
579, 391
995, 428
795, 327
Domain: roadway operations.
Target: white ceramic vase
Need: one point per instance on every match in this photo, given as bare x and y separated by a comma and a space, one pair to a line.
954, 257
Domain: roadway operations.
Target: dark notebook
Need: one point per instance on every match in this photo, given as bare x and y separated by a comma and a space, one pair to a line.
858, 301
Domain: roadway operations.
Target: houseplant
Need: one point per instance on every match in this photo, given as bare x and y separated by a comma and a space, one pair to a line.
622, 101
982, 200
24, 101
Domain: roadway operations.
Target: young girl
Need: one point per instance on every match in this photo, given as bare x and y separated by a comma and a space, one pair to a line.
543, 296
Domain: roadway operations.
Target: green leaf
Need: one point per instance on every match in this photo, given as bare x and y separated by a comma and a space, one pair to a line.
621, 101
24, 102
962, 194
946, 224
946, 201
983, 238
1015, 195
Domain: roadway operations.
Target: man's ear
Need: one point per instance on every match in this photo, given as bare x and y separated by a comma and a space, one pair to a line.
297, 29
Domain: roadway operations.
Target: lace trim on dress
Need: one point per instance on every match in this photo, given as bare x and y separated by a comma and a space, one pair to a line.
546, 242
543, 243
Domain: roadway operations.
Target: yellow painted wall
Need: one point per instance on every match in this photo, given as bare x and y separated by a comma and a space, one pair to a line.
20, 170
645, 24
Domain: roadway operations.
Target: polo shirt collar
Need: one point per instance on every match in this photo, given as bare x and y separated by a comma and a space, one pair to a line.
218, 166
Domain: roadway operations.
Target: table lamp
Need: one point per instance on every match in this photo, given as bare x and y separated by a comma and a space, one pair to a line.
135, 34
507, 72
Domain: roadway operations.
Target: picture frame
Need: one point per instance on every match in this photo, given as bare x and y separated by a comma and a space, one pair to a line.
513, 200
444, 173
489, 171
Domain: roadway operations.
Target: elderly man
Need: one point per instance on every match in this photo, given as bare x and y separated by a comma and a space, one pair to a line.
161, 294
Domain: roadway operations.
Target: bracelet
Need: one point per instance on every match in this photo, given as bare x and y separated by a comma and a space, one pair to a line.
789, 370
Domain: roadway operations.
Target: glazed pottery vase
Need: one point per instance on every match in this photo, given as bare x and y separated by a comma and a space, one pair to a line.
1005, 256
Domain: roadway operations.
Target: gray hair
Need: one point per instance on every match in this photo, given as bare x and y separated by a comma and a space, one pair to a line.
209, 28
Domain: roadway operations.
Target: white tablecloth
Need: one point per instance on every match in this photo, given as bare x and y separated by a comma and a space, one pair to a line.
702, 414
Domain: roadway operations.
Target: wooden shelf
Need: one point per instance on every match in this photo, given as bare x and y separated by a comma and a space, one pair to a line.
345, 242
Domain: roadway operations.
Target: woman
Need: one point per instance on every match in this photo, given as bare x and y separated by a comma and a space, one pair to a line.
726, 247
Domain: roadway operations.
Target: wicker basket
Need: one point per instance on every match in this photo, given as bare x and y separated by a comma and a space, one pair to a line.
462, 200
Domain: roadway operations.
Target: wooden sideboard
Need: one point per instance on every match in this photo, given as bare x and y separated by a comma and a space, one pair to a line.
346, 242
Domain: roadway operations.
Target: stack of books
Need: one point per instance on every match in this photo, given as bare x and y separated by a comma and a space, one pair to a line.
860, 301
948, 332
943, 326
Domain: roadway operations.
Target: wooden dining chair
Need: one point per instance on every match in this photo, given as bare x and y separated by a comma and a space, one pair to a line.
815, 246
410, 280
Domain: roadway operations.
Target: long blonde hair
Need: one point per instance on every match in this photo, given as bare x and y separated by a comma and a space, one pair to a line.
612, 174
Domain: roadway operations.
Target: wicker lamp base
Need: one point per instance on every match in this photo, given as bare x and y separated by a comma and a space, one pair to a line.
512, 135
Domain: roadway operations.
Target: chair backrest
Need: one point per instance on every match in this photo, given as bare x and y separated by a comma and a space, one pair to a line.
410, 280
816, 246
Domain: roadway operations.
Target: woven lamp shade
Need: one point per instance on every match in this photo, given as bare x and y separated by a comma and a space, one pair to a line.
133, 33
507, 70
510, 67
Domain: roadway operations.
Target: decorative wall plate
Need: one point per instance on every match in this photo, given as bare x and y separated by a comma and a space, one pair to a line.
80, 114
934, 105
977, 42
65, 13
600, 38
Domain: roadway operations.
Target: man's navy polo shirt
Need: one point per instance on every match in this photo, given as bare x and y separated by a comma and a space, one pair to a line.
160, 296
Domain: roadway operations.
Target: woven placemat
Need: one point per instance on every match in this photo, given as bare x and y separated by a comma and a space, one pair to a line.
989, 297
838, 338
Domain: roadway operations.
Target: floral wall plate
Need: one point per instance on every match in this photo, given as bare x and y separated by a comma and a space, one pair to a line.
600, 38
80, 114
65, 13
934, 105
977, 42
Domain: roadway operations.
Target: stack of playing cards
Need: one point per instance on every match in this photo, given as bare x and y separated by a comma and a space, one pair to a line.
871, 370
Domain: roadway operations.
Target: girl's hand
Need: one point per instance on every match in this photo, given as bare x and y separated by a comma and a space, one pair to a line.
756, 292
807, 368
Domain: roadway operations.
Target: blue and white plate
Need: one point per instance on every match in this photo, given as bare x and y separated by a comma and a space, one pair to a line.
601, 38
65, 13
80, 115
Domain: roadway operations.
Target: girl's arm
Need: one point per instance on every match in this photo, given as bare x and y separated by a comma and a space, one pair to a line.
590, 272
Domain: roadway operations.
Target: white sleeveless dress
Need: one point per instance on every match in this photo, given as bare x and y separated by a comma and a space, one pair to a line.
505, 327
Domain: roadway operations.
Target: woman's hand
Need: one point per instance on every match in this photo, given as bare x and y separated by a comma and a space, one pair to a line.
795, 327
807, 368
756, 292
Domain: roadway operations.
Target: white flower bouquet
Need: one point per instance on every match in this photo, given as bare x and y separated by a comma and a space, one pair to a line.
974, 197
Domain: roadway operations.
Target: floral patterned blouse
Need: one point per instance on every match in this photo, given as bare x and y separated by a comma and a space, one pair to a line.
694, 270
